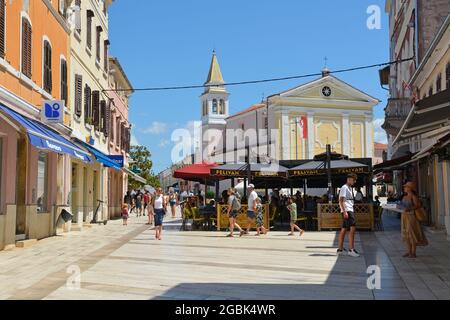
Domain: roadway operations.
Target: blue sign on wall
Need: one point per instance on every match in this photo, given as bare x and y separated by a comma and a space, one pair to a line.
52, 111
118, 159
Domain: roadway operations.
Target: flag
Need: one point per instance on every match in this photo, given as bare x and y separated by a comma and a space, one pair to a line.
302, 127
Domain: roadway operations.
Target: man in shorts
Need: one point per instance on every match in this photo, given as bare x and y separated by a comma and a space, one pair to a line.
251, 201
346, 203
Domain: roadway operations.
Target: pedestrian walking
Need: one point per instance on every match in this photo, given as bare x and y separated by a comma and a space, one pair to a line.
125, 214
412, 233
292, 208
150, 209
173, 202
259, 218
138, 204
146, 198
346, 204
160, 207
127, 199
251, 216
234, 205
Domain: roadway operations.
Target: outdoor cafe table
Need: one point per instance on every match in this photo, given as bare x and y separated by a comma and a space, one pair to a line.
329, 216
223, 221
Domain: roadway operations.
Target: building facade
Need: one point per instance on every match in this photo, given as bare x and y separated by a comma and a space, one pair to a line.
412, 27
119, 142
426, 130
90, 114
34, 158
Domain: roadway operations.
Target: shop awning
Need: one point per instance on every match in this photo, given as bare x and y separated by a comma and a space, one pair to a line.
258, 170
134, 176
317, 168
394, 164
195, 172
43, 137
102, 158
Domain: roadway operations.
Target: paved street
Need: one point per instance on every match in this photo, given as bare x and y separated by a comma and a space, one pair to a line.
127, 263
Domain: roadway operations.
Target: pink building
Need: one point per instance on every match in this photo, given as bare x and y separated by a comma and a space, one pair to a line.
119, 139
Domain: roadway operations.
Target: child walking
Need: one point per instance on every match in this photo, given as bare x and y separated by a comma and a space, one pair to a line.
125, 214
292, 207
259, 218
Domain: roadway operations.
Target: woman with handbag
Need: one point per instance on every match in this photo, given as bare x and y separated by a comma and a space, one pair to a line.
412, 233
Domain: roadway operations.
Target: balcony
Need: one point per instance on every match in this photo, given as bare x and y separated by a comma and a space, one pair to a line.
397, 111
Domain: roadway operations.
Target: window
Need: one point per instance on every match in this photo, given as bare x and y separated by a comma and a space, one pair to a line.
96, 109
118, 132
62, 7
439, 83
2, 28
111, 125
105, 55
64, 80
430, 91
78, 94
26, 47
214, 107
447, 76
90, 14
47, 67
87, 105
78, 4
41, 187
222, 106
103, 117
99, 32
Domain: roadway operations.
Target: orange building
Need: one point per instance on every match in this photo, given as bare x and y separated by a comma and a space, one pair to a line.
35, 51
34, 157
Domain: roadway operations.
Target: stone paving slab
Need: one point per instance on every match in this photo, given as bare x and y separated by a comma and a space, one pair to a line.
119, 262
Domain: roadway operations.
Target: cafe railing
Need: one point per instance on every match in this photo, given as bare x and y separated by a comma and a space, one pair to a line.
223, 221
329, 216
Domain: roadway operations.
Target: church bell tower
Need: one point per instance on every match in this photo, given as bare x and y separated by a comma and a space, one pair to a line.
214, 104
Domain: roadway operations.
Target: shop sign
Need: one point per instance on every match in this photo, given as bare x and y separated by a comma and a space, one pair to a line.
52, 111
117, 159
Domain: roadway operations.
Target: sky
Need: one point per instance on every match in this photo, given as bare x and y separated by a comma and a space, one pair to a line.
170, 43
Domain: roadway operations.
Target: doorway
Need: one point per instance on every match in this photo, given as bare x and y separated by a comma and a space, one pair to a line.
21, 182
74, 193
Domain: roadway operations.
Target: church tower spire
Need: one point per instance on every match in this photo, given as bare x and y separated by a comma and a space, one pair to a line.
215, 81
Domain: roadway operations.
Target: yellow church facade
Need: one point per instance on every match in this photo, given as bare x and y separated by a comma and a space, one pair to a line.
324, 111
295, 124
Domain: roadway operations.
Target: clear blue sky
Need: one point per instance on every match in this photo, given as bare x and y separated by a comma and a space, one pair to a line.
165, 43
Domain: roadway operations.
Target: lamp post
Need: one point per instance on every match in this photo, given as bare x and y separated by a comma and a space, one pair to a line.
328, 166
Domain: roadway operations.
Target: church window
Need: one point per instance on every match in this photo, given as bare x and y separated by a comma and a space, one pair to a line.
222, 106
214, 107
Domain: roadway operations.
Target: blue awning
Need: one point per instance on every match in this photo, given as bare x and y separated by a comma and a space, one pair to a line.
43, 137
102, 158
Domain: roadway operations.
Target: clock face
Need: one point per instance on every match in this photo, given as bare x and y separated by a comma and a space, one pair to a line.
326, 91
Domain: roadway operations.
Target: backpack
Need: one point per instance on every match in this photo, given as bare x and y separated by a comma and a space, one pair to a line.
236, 205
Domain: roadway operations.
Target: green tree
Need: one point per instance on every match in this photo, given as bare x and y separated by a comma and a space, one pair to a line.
140, 160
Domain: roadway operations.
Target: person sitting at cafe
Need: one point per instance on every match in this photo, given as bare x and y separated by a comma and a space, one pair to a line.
377, 202
359, 197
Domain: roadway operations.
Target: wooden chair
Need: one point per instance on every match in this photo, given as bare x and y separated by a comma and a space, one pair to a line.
302, 218
198, 219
